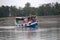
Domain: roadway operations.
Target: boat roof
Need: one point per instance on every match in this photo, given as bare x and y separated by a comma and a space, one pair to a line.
20, 17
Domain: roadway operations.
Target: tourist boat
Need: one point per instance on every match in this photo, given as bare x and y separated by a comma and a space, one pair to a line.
19, 22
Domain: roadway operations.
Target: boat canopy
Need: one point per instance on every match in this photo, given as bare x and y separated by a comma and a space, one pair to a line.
20, 18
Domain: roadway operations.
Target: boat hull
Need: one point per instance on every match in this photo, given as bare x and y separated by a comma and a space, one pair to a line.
32, 25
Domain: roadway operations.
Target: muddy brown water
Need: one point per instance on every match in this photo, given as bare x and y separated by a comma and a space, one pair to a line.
40, 34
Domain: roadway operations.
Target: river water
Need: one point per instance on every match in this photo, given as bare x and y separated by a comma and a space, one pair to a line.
39, 34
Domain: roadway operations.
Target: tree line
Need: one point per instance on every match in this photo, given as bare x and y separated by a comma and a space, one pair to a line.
43, 10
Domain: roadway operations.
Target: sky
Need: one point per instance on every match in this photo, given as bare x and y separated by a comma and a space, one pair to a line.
21, 3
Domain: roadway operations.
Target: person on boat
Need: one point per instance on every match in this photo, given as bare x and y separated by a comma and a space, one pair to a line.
34, 18
31, 21
34, 21
27, 20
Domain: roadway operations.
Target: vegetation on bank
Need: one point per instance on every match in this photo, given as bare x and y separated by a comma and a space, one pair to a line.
43, 10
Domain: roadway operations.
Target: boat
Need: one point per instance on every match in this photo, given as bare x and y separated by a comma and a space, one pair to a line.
19, 22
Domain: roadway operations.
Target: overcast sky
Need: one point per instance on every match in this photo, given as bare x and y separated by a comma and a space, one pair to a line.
21, 3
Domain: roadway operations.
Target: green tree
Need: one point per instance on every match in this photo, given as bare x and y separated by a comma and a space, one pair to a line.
4, 11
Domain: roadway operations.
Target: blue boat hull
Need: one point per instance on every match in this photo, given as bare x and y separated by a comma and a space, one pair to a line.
32, 25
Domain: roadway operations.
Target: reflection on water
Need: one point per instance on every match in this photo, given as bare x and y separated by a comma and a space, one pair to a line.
46, 34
